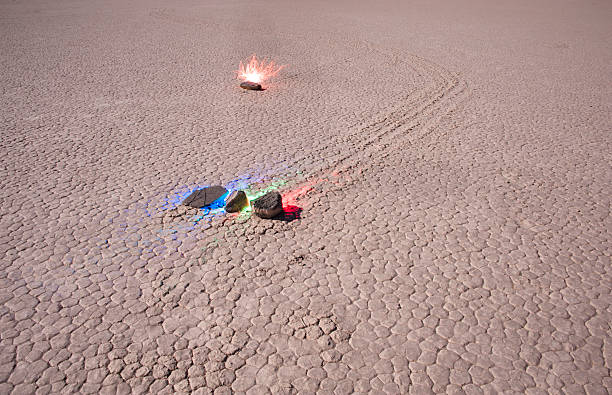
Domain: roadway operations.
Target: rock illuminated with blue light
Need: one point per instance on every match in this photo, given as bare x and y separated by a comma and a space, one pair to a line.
204, 197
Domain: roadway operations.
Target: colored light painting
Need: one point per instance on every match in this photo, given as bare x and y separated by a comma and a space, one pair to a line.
254, 187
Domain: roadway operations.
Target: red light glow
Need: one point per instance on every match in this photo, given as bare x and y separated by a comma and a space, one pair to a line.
257, 71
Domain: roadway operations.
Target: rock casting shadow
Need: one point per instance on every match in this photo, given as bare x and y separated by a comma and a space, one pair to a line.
290, 213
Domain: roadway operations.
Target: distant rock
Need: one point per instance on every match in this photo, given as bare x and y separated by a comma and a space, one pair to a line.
204, 197
252, 86
236, 201
269, 205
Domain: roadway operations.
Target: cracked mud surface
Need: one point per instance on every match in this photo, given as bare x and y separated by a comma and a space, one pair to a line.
449, 167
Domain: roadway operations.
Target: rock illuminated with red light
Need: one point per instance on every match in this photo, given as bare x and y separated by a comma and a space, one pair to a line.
251, 86
269, 205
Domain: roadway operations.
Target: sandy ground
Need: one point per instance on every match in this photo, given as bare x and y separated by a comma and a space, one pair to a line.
447, 164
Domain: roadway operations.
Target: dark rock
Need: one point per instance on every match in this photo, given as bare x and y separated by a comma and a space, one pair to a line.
269, 205
252, 86
205, 196
236, 201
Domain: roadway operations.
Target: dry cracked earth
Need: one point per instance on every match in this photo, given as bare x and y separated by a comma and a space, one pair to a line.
450, 162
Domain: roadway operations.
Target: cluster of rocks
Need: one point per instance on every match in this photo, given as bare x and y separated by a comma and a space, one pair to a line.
267, 206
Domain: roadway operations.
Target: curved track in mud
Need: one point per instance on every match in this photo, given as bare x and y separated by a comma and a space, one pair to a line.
242, 288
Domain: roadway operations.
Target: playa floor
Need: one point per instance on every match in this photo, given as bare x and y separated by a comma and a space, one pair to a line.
445, 170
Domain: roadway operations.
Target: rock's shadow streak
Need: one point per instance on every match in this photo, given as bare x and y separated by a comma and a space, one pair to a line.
290, 213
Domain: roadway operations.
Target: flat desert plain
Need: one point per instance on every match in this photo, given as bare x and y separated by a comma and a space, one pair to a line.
445, 168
